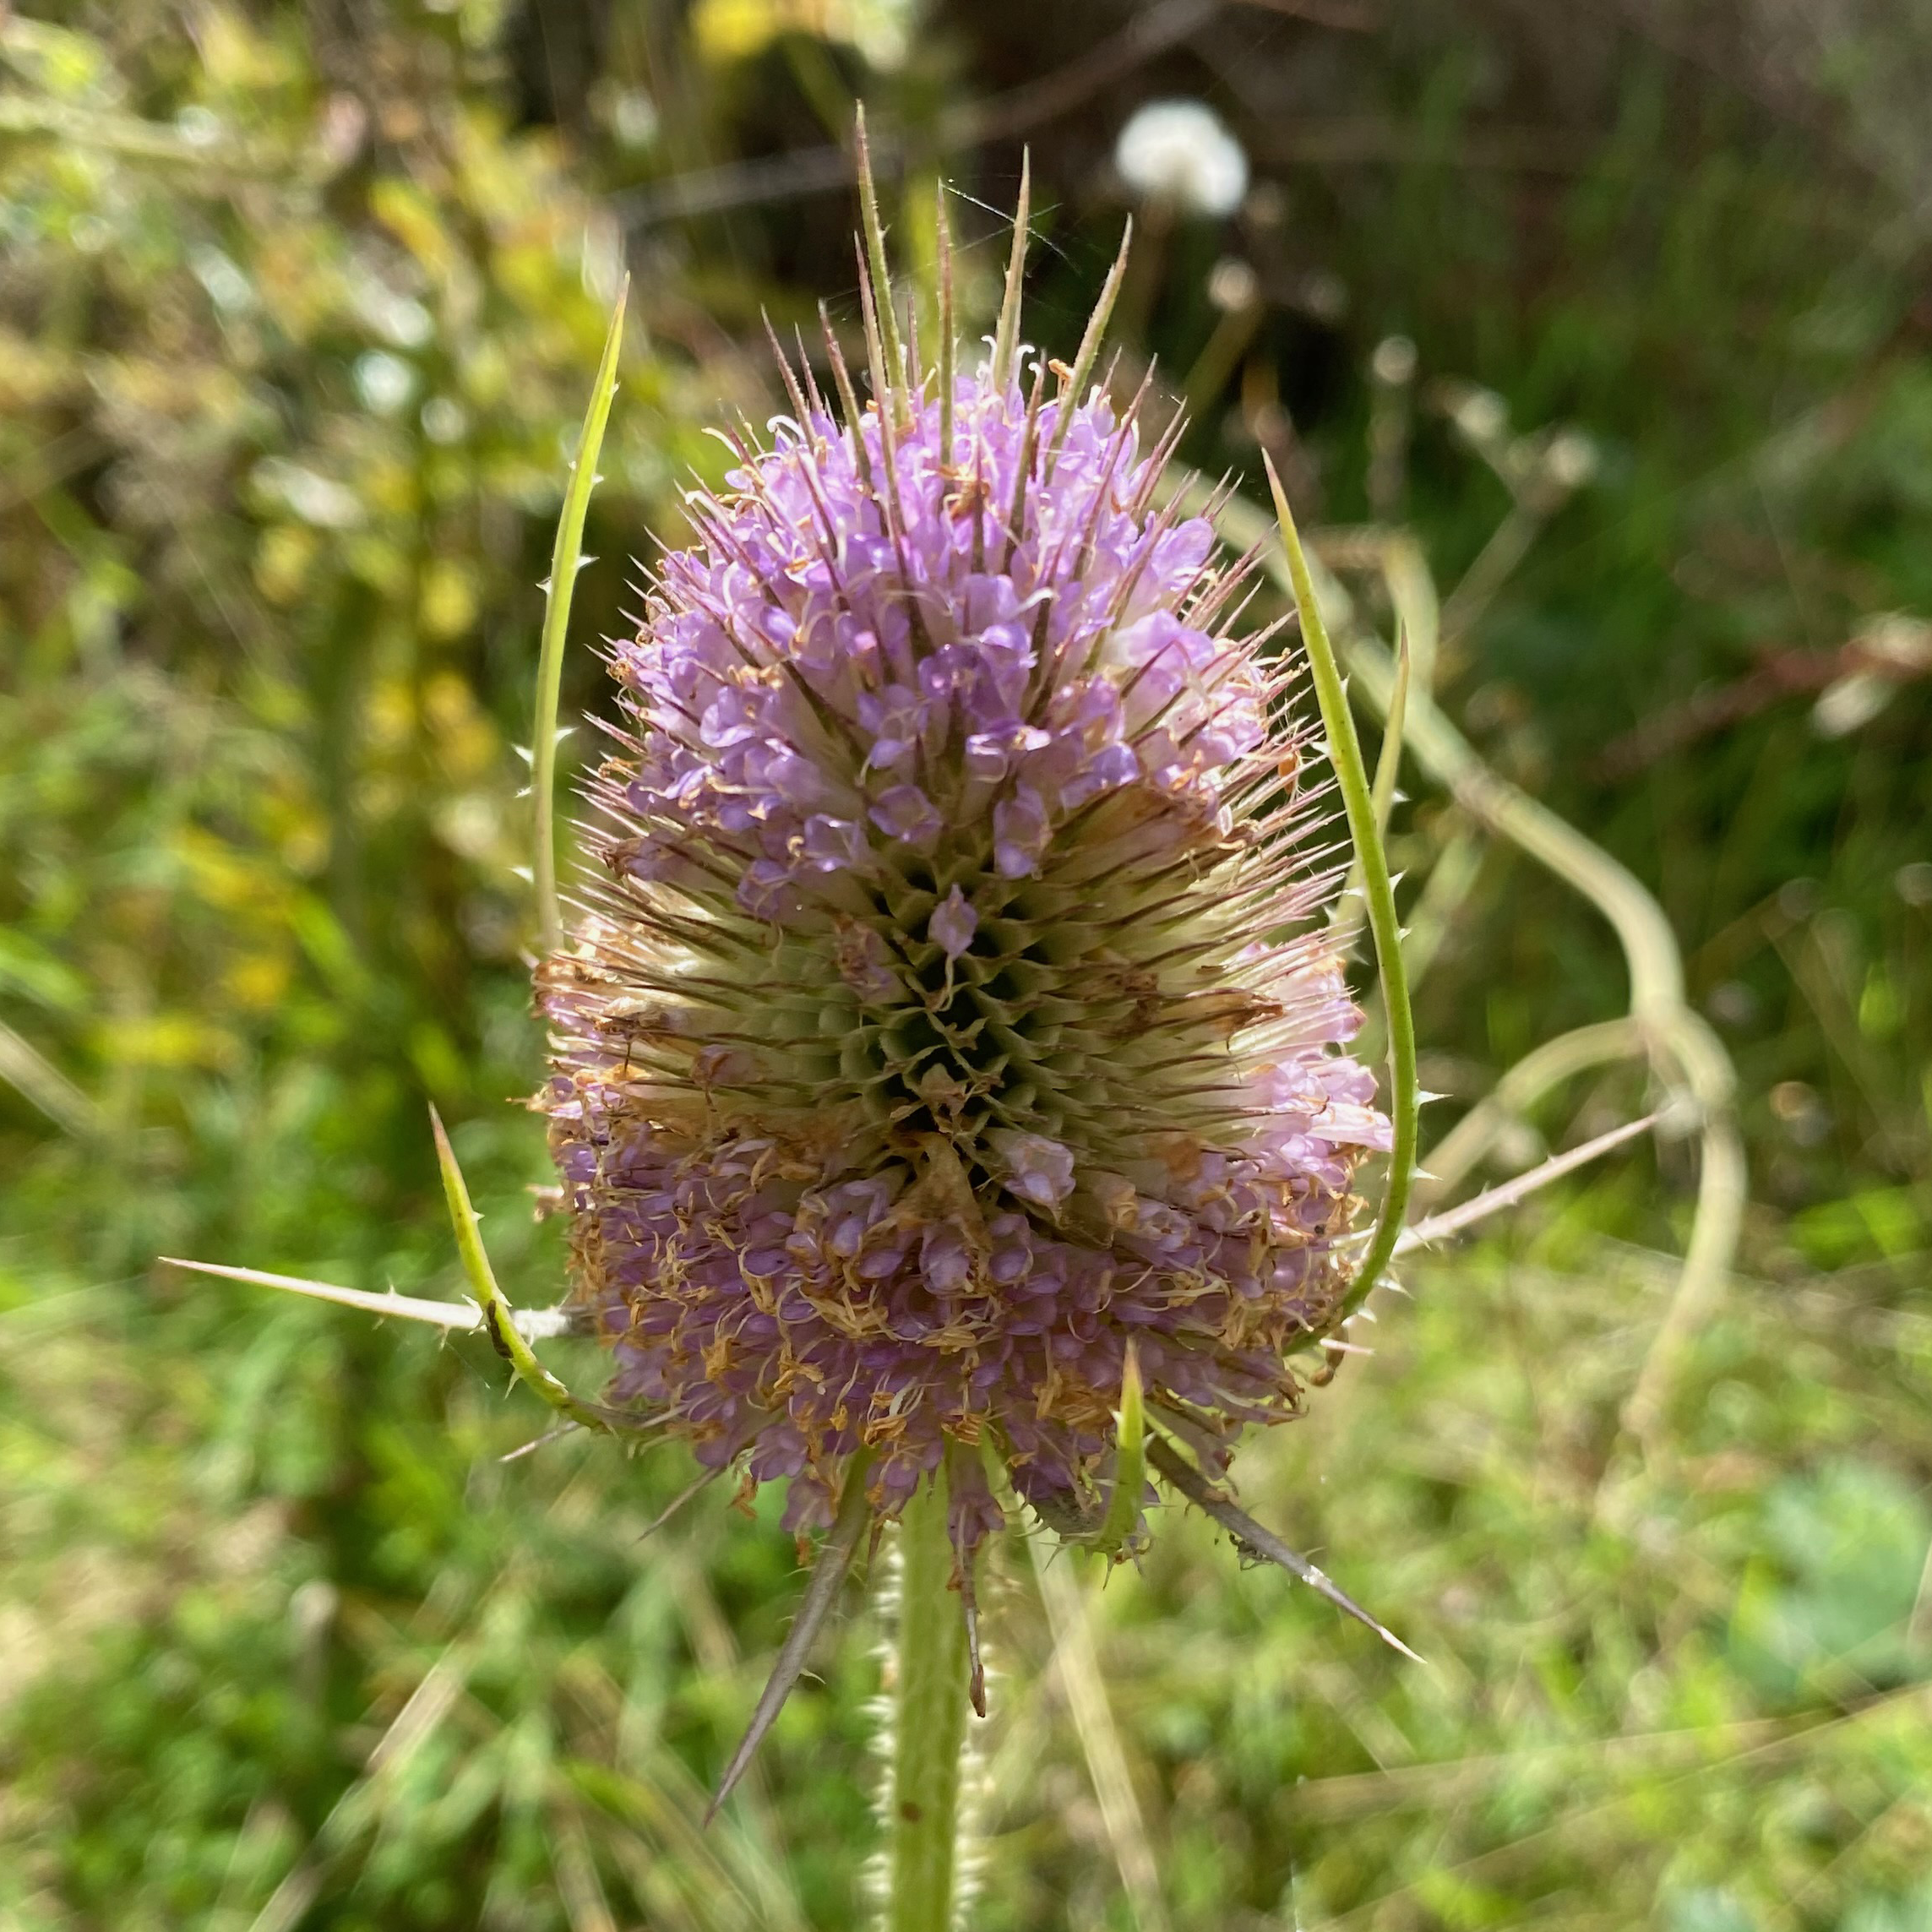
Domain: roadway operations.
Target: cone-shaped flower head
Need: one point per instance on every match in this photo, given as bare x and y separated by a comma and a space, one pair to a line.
950, 1018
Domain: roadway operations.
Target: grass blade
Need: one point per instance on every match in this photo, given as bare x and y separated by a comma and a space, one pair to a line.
564, 560
36, 1077
1077, 1663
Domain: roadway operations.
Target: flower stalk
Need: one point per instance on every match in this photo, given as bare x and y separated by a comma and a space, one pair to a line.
929, 1728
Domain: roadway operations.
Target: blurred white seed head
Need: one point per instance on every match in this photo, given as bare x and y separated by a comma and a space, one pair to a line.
631, 114
444, 419
1914, 883
1394, 362
383, 382
1571, 460
1233, 286
1181, 152
1481, 415
1849, 703
1896, 639
198, 126
1324, 296
1893, 647
228, 288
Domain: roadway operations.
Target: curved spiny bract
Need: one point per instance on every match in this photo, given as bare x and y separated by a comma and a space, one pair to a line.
950, 1015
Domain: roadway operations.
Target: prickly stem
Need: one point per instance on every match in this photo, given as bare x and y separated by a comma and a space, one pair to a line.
930, 1722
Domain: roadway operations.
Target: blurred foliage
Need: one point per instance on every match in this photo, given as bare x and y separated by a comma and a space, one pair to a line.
298, 305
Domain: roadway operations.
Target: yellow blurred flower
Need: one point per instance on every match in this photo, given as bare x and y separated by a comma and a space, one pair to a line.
727, 30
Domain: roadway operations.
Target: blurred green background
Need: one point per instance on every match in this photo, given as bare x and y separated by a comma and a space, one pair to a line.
1624, 309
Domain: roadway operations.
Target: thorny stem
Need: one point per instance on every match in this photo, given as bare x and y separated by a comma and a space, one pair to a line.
929, 1728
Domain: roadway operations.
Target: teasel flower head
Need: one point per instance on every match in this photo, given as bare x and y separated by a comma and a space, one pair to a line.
949, 1037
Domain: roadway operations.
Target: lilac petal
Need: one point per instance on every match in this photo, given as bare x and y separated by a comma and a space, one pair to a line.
953, 923
905, 812
1037, 1169
833, 844
1020, 833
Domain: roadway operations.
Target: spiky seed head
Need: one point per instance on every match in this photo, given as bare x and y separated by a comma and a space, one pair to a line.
950, 1013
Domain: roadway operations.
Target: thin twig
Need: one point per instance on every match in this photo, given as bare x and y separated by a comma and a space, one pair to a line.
1148, 33
1493, 1200
534, 1325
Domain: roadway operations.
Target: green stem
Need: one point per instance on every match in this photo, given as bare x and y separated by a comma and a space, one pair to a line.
930, 1722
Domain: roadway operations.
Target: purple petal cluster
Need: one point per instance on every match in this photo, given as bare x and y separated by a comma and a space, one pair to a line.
950, 1016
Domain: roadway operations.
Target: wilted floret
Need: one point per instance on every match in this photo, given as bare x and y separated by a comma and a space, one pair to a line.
950, 1019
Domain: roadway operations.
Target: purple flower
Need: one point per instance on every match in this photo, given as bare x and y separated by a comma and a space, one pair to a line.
1033, 1168
905, 812
953, 923
1020, 829
952, 1017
